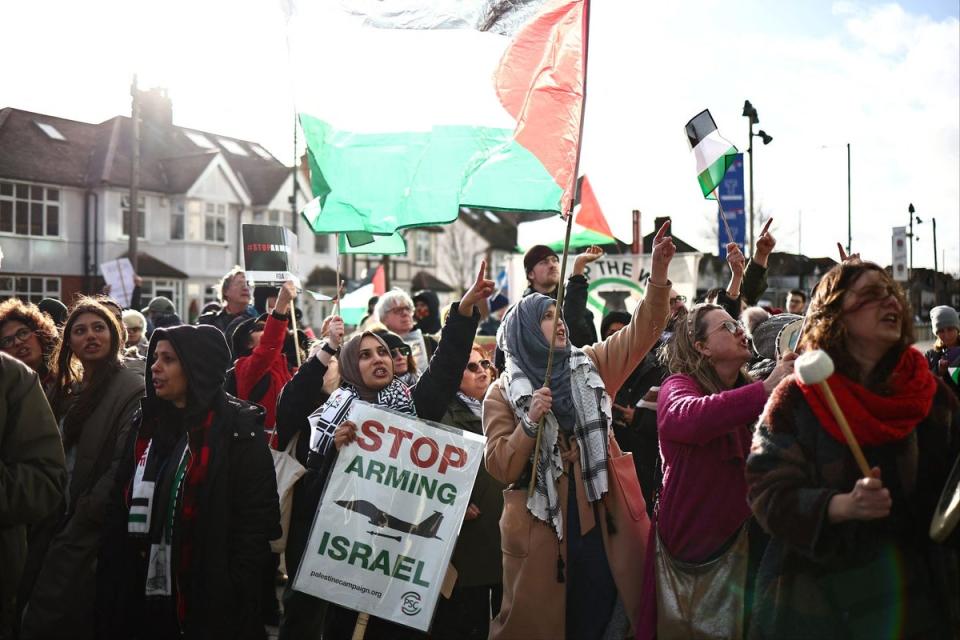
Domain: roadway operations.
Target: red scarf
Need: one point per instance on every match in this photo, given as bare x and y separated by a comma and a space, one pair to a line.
876, 419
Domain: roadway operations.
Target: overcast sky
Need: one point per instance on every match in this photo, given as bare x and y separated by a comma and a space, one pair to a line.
883, 77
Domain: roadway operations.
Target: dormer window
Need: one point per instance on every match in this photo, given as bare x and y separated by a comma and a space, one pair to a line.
233, 147
50, 130
200, 140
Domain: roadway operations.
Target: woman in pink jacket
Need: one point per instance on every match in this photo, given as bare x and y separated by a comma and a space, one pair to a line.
705, 413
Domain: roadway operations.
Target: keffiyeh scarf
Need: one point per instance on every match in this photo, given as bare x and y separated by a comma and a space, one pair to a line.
325, 420
593, 416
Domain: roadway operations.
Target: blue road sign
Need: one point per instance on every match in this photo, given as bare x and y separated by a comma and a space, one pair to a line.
733, 202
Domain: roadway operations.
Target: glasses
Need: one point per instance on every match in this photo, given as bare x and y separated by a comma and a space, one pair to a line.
21, 335
733, 326
402, 311
401, 352
477, 367
872, 293
680, 299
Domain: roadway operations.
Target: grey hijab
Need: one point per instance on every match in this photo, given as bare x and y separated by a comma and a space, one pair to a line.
522, 341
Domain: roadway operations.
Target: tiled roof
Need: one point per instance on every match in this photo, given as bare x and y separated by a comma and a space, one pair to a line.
95, 154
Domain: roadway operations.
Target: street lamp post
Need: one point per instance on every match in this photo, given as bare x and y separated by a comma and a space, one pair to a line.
750, 113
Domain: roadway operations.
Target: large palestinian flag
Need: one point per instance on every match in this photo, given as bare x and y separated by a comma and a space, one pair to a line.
414, 109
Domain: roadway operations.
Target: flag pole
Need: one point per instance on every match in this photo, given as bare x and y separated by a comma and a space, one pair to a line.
336, 306
557, 316
723, 216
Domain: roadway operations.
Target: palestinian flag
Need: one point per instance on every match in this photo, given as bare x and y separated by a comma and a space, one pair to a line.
354, 304
954, 374
412, 109
714, 155
589, 215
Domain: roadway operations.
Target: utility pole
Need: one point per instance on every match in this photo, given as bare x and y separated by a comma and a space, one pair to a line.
936, 267
849, 208
134, 207
750, 155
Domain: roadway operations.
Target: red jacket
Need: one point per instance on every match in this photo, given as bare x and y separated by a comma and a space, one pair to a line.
266, 359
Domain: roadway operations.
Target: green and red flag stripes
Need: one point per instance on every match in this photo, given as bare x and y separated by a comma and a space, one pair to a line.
590, 216
412, 109
713, 154
954, 374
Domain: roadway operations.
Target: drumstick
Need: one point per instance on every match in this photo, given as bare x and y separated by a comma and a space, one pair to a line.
814, 368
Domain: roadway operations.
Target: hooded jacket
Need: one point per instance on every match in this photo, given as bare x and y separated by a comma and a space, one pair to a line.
268, 359
430, 323
237, 506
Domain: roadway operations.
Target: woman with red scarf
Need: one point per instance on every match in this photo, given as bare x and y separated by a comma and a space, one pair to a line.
850, 557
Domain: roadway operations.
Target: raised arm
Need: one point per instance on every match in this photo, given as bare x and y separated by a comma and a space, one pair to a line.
686, 416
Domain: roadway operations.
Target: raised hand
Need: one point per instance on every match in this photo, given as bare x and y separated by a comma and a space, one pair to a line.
736, 259
481, 289
590, 255
782, 370
765, 244
853, 258
335, 332
663, 252
288, 292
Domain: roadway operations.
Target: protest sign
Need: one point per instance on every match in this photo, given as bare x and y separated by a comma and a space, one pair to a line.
390, 515
118, 275
269, 254
418, 347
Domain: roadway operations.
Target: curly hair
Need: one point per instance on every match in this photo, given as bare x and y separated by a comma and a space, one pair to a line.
40, 323
825, 330
67, 403
680, 354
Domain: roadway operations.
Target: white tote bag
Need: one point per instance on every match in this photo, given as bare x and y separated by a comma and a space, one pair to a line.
288, 472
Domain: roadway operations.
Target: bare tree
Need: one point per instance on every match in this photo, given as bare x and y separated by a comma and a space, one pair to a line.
714, 230
459, 268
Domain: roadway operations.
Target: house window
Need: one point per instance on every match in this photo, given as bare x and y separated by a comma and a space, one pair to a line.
178, 221
321, 243
194, 220
274, 217
29, 288
141, 216
215, 223
29, 210
424, 248
258, 217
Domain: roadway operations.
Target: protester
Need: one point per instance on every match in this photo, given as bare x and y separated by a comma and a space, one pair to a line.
946, 350
850, 557
476, 596
371, 307
748, 280
705, 412
796, 301
159, 313
394, 310
261, 368
578, 576
93, 397
234, 294
542, 266
30, 336
32, 474
404, 366
366, 371
136, 326
751, 318
426, 310
54, 309
498, 307
186, 559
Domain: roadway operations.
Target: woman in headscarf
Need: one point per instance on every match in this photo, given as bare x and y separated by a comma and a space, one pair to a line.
573, 550
366, 373
94, 396
851, 557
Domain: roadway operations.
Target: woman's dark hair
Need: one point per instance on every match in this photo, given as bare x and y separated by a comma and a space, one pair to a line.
74, 406
40, 323
825, 329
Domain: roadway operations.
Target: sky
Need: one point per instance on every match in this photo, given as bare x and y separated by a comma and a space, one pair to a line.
883, 77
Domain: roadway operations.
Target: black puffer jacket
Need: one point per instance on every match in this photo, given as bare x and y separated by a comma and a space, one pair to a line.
237, 512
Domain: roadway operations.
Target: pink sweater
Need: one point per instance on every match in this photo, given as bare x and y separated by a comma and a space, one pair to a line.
704, 442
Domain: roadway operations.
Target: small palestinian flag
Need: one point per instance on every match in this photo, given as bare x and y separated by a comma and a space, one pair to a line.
954, 374
714, 154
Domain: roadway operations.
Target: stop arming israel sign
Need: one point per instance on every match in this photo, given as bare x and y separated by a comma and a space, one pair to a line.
390, 516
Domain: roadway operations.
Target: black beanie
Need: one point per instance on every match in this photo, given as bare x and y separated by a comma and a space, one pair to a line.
535, 254
614, 316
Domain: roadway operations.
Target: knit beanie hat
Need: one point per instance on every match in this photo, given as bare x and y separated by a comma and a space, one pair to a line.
943, 317
535, 254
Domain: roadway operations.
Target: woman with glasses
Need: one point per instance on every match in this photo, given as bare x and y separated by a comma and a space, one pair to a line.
852, 557
706, 410
404, 366
477, 556
94, 397
30, 336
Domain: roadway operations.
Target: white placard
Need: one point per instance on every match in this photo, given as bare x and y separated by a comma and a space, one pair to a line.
390, 515
118, 275
418, 347
899, 264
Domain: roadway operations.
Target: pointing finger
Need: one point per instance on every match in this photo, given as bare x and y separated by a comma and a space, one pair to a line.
766, 226
661, 232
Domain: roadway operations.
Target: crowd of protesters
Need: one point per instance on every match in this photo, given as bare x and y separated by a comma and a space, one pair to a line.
687, 484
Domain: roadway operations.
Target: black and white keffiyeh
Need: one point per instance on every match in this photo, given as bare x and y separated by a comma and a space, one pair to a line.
593, 415
325, 420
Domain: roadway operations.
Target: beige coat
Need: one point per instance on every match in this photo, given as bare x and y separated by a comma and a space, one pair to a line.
533, 600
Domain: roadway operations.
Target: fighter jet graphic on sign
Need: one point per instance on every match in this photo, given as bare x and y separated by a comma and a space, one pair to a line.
380, 518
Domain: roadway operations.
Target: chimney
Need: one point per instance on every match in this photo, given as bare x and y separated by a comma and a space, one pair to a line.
156, 108
637, 247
